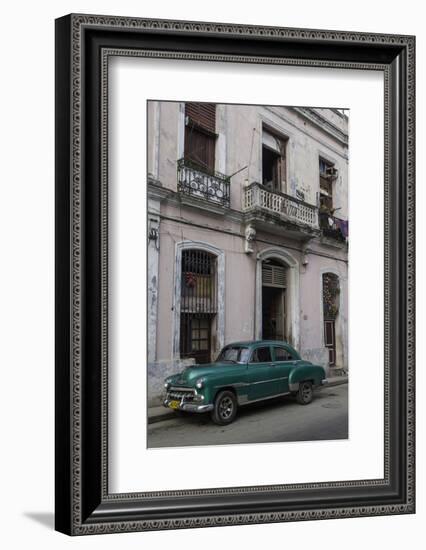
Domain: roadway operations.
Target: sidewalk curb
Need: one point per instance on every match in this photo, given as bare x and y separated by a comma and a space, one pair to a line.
338, 381
168, 415
159, 417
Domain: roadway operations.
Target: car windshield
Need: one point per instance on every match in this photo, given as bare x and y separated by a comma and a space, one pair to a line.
233, 354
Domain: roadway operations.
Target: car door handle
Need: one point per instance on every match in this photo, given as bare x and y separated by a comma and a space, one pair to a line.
274, 365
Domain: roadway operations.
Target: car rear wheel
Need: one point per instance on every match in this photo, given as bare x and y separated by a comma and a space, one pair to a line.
225, 408
305, 393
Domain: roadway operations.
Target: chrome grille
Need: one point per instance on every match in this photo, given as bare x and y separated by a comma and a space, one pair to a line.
179, 394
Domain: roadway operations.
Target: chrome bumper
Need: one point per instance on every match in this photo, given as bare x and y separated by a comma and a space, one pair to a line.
189, 407
324, 383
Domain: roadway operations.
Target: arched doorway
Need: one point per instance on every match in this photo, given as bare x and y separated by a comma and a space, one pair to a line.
274, 300
277, 296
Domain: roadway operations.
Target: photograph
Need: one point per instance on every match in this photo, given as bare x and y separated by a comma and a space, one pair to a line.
247, 273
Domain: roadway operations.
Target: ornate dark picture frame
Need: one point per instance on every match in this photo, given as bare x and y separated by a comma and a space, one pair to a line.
84, 44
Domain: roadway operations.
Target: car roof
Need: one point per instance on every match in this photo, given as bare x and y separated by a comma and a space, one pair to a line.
259, 342
256, 343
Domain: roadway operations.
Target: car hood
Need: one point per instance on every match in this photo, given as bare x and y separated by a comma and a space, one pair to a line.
191, 374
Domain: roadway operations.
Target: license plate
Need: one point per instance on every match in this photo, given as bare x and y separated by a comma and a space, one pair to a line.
174, 404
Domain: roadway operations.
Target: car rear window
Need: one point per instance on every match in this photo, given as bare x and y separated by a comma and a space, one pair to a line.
282, 354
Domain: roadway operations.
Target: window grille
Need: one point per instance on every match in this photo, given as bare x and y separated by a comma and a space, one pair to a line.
330, 296
198, 304
199, 293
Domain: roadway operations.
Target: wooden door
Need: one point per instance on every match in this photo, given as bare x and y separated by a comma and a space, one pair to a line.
330, 340
196, 337
273, 313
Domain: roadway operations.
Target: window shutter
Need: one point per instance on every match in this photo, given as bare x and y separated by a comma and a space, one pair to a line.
202, 114
274, 275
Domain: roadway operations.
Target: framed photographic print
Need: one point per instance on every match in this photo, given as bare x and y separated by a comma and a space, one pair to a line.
234, 274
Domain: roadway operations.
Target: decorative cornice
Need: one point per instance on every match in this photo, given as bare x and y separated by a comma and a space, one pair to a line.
314, 117
334, 243
156, 191
271, 222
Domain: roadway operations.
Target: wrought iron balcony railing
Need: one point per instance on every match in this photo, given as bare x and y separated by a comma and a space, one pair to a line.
197, 182
289, 208
332, 227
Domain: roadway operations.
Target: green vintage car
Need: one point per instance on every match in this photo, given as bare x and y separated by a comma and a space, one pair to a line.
243, 373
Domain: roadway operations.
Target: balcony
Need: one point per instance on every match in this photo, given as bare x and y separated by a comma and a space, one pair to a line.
198, 183
274, 206
333, 228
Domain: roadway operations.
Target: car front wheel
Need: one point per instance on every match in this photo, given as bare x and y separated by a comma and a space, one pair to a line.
305, 393
225, 408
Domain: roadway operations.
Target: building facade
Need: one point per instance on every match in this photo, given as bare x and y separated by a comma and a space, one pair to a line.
247, 232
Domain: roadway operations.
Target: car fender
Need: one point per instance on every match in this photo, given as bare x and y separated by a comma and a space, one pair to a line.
300, 373
214, 385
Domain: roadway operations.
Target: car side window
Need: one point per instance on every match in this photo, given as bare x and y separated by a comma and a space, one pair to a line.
261, 355
282, 354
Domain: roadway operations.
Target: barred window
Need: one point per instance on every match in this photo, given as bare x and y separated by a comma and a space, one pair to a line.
198, 294
330, 295
198, 304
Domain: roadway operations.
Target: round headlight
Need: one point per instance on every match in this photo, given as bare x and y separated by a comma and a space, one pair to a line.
167, 384
200, 383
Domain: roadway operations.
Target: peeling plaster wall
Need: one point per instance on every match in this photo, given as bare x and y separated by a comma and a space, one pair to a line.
311, 318
239, 149
169, 142
238, 297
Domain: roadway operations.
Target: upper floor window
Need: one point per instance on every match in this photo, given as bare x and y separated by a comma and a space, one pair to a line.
200, 136
197, 177
328, 174
273, 160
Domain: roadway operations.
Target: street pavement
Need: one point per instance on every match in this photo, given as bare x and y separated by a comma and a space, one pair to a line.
281, 419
